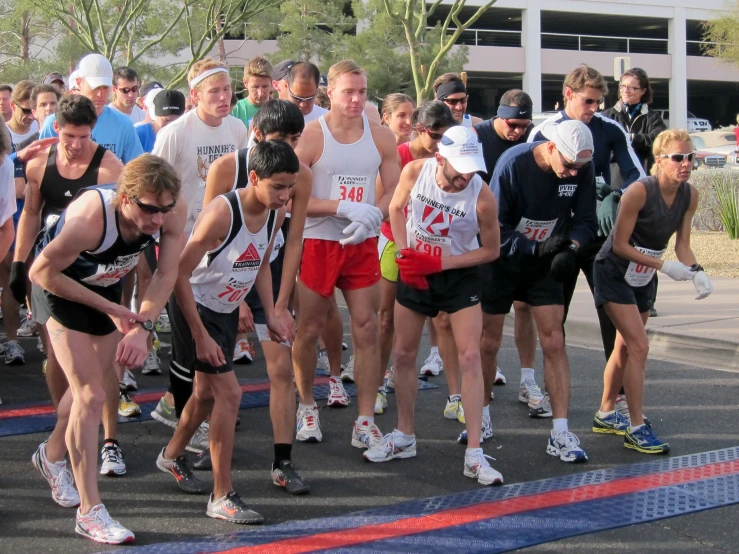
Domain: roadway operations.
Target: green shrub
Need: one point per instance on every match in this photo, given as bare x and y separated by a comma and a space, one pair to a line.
718, 208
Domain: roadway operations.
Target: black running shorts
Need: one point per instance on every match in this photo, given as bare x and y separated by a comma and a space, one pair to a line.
73, 315
610, 286
503, 282
449, 291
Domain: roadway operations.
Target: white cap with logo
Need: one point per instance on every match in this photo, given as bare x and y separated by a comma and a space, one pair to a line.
570, 137
462, 147
96, 70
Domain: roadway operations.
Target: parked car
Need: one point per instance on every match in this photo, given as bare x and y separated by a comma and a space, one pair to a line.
695, 124
716, 143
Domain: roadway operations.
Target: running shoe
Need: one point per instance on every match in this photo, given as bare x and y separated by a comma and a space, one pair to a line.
390, 378
645, 441
347, 375
60, 479
27, 328
541, 409
337, 396
232, 509
243, 352
286, 475
162, 323
126, 406
151, 365
100, 527
381, 402
40, 345
200, 439
308, 425
164, 413
499, 377
487, 432
653, 312
529, 392
433, 364
476, 466
366, 436
113, 463
128, 381
453, 405
392, 445
622, 407
203, 461
612, 423
14, 354
566, 446
322, 363
180, 469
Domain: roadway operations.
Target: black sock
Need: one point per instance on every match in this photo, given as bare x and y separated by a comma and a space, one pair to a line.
282, 452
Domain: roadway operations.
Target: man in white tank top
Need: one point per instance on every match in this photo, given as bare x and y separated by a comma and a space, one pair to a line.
346, 152
438, 254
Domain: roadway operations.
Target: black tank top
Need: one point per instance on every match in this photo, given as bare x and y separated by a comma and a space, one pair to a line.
58, 191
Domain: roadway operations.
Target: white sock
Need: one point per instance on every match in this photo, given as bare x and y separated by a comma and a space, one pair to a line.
559, 425
527, 373
434, 350
605, 414
471, 451
365, 420
306, 406
403, 436
637, 428
486, 412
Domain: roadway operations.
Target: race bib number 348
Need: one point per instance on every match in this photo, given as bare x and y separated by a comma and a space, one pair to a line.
349, 187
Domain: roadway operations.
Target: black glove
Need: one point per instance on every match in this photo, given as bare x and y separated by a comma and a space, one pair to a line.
564, 265
17, 284
549, 247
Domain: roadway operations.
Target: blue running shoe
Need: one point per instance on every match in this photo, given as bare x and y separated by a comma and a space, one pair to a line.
644, 440
567, 447
613, 423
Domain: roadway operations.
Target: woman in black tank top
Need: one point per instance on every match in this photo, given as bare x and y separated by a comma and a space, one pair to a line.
650, 212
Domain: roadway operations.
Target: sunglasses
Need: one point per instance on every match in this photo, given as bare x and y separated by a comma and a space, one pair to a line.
455, 101
26, 111
305, 99
569, 165
127, 90
431, 134
519, 126
590, 101
678, 158
153, 210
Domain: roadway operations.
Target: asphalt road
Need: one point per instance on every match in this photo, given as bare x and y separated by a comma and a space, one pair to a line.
693, 408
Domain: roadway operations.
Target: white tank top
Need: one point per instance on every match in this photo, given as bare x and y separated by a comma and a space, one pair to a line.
467, 121
442, 223
343, 172
225, 275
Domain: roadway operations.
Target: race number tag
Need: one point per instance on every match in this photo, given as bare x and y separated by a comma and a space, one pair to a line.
599, 181
536, 230
421, 241
233, 291
110, 274
350, 187
638, 275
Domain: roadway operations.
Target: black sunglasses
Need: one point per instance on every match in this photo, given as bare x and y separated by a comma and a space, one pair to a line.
570, 166
678, 158
26, 111
126, 90
305, 99
153, 210
590, 101
455, 101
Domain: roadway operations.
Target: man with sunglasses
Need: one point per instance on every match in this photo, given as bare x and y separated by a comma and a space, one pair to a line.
126, 88
450, 89
301, 87
538, 187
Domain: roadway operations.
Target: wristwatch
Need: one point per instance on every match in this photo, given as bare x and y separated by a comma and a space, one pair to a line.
148, 325
573, 247
398, 255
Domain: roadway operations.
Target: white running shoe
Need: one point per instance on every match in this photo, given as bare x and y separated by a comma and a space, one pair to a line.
390, 378
337, 396
392, 445
566, 446
322, 363
308, 425
60, 479
487, 429
243, 352
366, 436
200, 440
27, 328
151, 365
347, 375
381, 402
499, 377
542, 409
129, 381
433, 364
529, 392
100, 527
477, 467
113, 463
14, 353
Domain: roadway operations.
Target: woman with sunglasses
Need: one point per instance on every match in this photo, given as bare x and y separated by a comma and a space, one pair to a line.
429, 121
85, 255
397, 110
652, 210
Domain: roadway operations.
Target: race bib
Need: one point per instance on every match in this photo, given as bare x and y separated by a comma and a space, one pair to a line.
233, 291
638, 275
421, 241
537, 231
350, 187
599, 181
110, 274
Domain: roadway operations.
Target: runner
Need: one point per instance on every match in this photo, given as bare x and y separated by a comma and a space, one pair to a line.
651, 211
258, 84
397, 110
438, 251
222, 261
126, 88
54, 78
300, 88
7, 192
538, 186
22, 124
430, 122
5, 108
345, 151
84, 255
44, 99
450, 89
169, 105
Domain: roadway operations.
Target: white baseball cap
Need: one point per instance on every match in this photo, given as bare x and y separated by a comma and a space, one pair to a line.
96, 70
570, 137
73, 80
462, 147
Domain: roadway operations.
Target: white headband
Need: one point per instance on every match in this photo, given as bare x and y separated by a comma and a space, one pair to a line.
197, 80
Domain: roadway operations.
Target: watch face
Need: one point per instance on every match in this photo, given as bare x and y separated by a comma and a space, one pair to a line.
148, 325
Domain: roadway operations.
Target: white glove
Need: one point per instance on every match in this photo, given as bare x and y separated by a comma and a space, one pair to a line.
371, 216
358, 233
677, 271
702, 285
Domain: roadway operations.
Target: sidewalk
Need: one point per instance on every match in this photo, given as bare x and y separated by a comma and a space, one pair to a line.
703, 333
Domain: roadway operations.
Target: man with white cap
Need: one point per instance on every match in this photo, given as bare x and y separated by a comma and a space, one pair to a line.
438, 254
538, 186
113, 129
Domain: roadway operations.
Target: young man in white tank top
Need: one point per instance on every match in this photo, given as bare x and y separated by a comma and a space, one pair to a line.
346, 152
438, 254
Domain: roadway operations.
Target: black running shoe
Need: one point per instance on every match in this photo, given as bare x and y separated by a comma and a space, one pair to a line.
202, 461
286, 475
182, 472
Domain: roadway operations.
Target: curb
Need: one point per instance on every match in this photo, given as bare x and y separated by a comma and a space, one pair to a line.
668, 346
